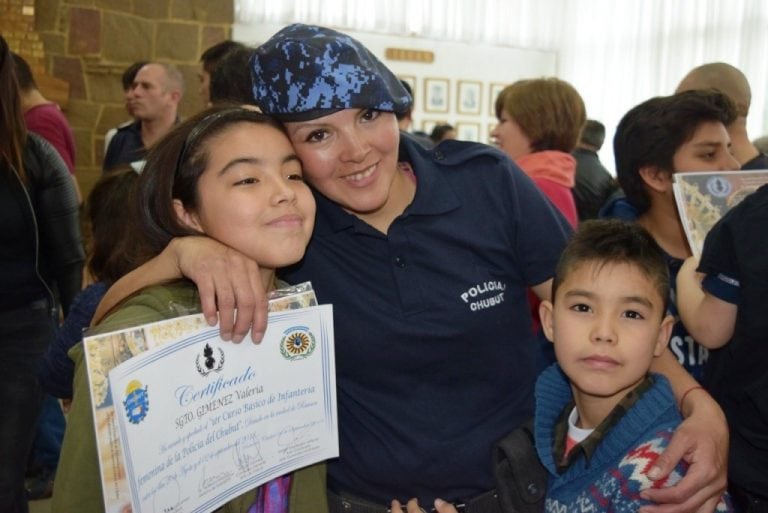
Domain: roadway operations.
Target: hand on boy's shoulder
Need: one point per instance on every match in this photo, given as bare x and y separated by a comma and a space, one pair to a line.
635, 465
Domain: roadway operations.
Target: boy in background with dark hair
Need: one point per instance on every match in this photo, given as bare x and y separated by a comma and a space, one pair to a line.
654, 140
127, 80
208, 61
45, 118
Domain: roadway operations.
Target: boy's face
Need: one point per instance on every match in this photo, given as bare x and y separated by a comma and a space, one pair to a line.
708, 150
607, 325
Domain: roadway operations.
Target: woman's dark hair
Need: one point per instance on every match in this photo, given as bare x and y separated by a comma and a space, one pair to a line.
13, 131
651, 133
108, 224
174, 166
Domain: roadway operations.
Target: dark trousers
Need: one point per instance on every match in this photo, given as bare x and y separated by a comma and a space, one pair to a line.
46, 447
24, 335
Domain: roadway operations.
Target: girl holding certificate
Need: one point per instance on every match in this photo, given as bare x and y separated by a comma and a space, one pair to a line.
231, 174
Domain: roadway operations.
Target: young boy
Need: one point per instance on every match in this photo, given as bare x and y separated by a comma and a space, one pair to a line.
601, 418
729, 314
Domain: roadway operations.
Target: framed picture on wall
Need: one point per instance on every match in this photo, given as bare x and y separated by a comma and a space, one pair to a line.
436, 94
468, 131
493, 93
469, 95
411, 81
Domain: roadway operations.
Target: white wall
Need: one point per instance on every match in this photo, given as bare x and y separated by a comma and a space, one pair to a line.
492, 66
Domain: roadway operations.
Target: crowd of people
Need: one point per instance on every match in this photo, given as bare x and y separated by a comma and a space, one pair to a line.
451, 265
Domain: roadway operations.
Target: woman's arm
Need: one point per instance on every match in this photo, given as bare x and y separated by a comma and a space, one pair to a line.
230, 287
58, 220
701, 440
710, 320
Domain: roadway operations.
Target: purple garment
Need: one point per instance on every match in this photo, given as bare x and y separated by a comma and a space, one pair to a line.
272, 497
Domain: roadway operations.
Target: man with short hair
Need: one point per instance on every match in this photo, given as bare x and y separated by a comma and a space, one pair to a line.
45, 118
733, 83
594, 184
127, 80
154, 100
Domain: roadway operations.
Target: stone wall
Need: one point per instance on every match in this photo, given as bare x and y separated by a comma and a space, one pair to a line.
85, 45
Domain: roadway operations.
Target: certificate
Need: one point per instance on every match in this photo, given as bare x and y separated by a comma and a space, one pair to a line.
105, 351
202, 421
703, 198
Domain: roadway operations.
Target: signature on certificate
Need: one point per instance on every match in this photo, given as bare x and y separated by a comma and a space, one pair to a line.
247, 454
291, 436
209, 482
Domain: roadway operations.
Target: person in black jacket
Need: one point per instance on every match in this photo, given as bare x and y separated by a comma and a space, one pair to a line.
593, 182
40, 252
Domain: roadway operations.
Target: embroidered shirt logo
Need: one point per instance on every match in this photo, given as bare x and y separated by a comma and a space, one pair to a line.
484, 295
297, 343
136, 402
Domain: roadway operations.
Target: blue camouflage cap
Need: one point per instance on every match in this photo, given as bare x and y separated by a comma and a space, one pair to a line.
304, 72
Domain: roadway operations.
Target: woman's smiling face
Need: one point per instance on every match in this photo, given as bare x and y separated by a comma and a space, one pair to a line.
350, 157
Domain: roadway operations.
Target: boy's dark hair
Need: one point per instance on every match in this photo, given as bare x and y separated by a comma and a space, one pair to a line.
23, 73
231, 80
650, 134
129, 75
612, 241
593, 134
108, 222
439, 131
212, 55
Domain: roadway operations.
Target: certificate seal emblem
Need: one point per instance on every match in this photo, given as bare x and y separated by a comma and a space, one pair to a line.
136, 402
297, 343
209, 361
719, 187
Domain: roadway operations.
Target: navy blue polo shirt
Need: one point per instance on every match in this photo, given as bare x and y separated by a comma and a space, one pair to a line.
435, 357
125, 147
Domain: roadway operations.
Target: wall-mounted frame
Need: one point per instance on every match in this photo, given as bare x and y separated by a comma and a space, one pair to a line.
436, 94
469, 95
493, 92
411, 81
468, 131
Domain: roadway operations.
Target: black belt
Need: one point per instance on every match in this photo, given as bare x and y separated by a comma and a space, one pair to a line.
344, 503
